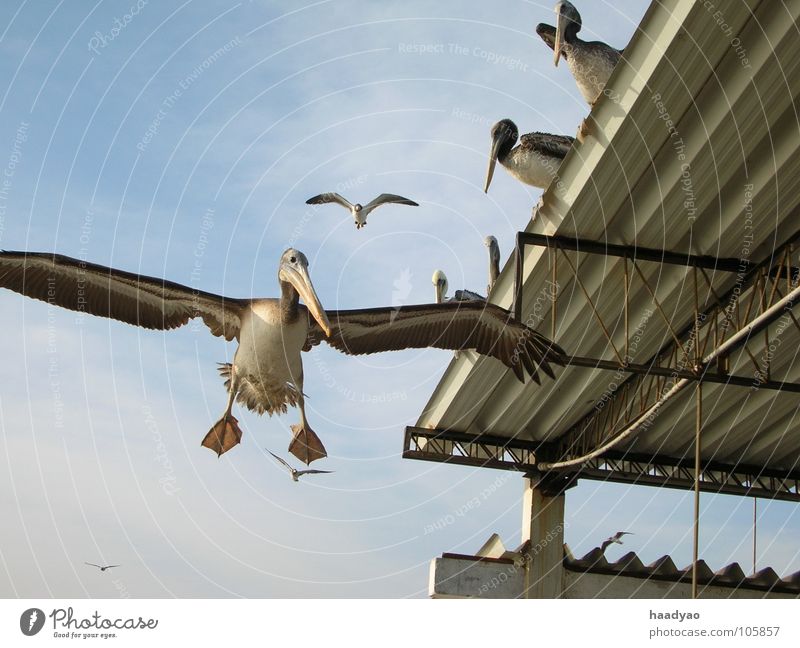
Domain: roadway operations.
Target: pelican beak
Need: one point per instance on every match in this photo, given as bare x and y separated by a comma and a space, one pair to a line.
298, 277
493, 153
561, 25
438, 292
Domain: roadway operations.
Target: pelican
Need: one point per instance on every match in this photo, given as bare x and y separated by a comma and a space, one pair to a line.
440, 285
615, 539
534, 161
591, 62
297, 474
102, 569
360, 212
266, 374
494, 261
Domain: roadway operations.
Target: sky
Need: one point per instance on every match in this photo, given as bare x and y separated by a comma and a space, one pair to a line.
181, 139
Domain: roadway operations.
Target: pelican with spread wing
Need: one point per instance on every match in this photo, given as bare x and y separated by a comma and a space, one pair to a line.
266, 374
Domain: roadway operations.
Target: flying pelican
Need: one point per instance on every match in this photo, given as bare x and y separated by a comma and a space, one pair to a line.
591, 62
615, 539
494, 261
360, 212
534, 161
266, 374
102, 569
440, 285
297, 474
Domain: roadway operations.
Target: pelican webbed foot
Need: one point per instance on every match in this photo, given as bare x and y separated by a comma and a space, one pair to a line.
306, 445
224, 435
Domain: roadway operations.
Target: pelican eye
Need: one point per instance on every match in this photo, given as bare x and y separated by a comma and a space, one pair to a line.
293, 260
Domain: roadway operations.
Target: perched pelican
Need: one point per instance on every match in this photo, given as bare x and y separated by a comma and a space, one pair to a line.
360, 212
615, 539
591, 63
297, 474
267, 370
534, 161
494, 261
440, 285
102, 569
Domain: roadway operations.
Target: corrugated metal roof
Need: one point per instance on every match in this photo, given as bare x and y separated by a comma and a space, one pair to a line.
724, 182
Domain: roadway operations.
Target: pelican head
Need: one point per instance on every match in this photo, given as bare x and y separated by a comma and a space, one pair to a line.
439, 281
568, 24
490, 242
504, 136
293, 270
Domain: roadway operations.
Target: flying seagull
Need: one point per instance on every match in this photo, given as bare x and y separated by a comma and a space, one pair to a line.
358, 211
102, 569
534, 161
266, 374
591, 62
297, 474
615, 539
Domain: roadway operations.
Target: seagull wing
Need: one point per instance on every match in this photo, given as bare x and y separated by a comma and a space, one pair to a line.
321, 199
385, 199
135, 299
281, 460
548, 144
300, 473
487, 328
93, 565
110, 566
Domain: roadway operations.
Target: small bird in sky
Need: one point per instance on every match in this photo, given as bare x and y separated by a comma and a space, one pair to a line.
360, 212
297, 474
615, 539
99, 567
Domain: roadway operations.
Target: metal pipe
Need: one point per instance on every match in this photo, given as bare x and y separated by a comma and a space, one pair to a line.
698, 427
742, 335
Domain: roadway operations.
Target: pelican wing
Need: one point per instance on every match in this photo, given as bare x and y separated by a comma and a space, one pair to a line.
135, 299
321, 199
487, 328
547, 143
385, 198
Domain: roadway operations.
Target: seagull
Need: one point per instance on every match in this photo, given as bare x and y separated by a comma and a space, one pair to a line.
591, 62
534, 161
297, 474
266, 374
102, 569
358, 211
615, 539
494, 261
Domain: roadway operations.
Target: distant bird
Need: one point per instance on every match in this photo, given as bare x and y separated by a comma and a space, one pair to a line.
102, 569
440, 285
591, 62
358, 211
494, 261
266, 374
297, 474
534, 161
615, 539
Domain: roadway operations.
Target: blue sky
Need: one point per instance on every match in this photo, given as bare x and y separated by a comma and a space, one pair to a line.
184, 145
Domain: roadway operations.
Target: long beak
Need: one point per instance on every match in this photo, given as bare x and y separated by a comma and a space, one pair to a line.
492, 161
561, 25
299, 278
438, 292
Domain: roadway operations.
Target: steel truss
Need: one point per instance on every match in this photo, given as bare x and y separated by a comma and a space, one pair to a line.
758, 287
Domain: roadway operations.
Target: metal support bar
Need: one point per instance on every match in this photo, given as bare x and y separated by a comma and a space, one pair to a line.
698, 421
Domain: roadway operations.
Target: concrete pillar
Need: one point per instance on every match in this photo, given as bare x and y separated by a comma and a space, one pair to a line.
543, 534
